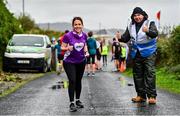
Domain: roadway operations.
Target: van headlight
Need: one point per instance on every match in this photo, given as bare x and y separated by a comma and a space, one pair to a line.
8, 50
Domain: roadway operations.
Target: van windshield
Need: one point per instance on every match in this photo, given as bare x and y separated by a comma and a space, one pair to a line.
27, 41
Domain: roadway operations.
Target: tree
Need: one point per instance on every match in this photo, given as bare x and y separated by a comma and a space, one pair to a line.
8, 26
27, 23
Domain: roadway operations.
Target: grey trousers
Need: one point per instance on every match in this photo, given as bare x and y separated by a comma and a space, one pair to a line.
144, 75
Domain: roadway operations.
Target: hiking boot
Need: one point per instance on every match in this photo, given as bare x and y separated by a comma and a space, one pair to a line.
152, 100
72, 108
79, 104
138, 99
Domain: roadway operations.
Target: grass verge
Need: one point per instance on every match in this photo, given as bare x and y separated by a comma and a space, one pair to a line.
167, 81
164, 80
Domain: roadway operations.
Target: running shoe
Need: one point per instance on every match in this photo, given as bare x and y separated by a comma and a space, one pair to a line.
79, 104
72, 108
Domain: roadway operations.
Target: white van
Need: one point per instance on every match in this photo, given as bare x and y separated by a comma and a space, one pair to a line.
28, 51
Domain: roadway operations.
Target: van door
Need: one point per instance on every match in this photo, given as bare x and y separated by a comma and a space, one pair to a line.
48, 50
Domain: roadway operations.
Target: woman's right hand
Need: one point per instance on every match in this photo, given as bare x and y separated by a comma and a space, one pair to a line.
86, 54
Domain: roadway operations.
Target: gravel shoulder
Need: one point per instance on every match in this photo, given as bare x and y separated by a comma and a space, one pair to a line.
10, 82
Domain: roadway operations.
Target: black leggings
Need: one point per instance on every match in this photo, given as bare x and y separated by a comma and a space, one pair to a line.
104, 60
74, 73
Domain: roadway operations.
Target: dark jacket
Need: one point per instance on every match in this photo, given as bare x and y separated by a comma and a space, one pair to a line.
153, 32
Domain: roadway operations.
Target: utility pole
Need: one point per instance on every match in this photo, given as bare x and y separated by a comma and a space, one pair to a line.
48, 26
23, 7
99, 28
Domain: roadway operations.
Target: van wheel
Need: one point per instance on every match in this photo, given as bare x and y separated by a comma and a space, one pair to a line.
5, 68
44, 68
49, 69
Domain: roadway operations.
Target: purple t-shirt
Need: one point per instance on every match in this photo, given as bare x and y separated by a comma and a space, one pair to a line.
78, 42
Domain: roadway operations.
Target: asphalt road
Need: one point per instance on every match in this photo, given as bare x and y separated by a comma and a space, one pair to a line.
108, 93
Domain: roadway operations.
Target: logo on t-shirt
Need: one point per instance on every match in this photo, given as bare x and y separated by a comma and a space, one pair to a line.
78, 46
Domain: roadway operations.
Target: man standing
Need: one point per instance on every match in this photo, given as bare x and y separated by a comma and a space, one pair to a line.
142, 35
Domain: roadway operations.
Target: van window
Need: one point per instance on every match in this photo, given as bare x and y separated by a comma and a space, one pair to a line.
27, 41
48, 41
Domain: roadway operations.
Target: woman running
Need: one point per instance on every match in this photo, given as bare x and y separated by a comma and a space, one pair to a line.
74, 42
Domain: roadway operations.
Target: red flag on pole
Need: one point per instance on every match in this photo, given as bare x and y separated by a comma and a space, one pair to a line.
158, 15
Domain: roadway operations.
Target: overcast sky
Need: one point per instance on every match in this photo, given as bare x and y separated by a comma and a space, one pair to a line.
107, 13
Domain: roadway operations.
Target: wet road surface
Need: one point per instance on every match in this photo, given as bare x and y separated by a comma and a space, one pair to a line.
108, 93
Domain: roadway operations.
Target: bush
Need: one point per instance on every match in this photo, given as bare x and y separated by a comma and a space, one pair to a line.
169, 49
162, 51
175, 46
174, 70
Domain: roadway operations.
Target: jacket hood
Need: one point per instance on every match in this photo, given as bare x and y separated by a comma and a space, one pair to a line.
138, 10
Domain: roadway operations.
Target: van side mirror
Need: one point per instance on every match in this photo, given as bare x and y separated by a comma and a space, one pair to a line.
48, 46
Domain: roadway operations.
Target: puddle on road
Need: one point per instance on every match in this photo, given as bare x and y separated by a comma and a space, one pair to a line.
61, 85
143, 104
123, 82
56, 87
145, 108
91, 108
130, 84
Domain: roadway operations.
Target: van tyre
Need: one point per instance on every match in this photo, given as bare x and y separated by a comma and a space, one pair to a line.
49, 69
44, 68
5, 68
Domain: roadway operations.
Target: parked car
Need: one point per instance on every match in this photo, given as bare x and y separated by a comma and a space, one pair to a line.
28, 51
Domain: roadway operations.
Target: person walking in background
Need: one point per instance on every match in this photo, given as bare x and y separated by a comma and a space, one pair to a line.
116, 50
98, 53
74, 42
62, 51
127, 50
91, 44
122, 57
112, 58
142, 33
58, 54
104, 52
53, 41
